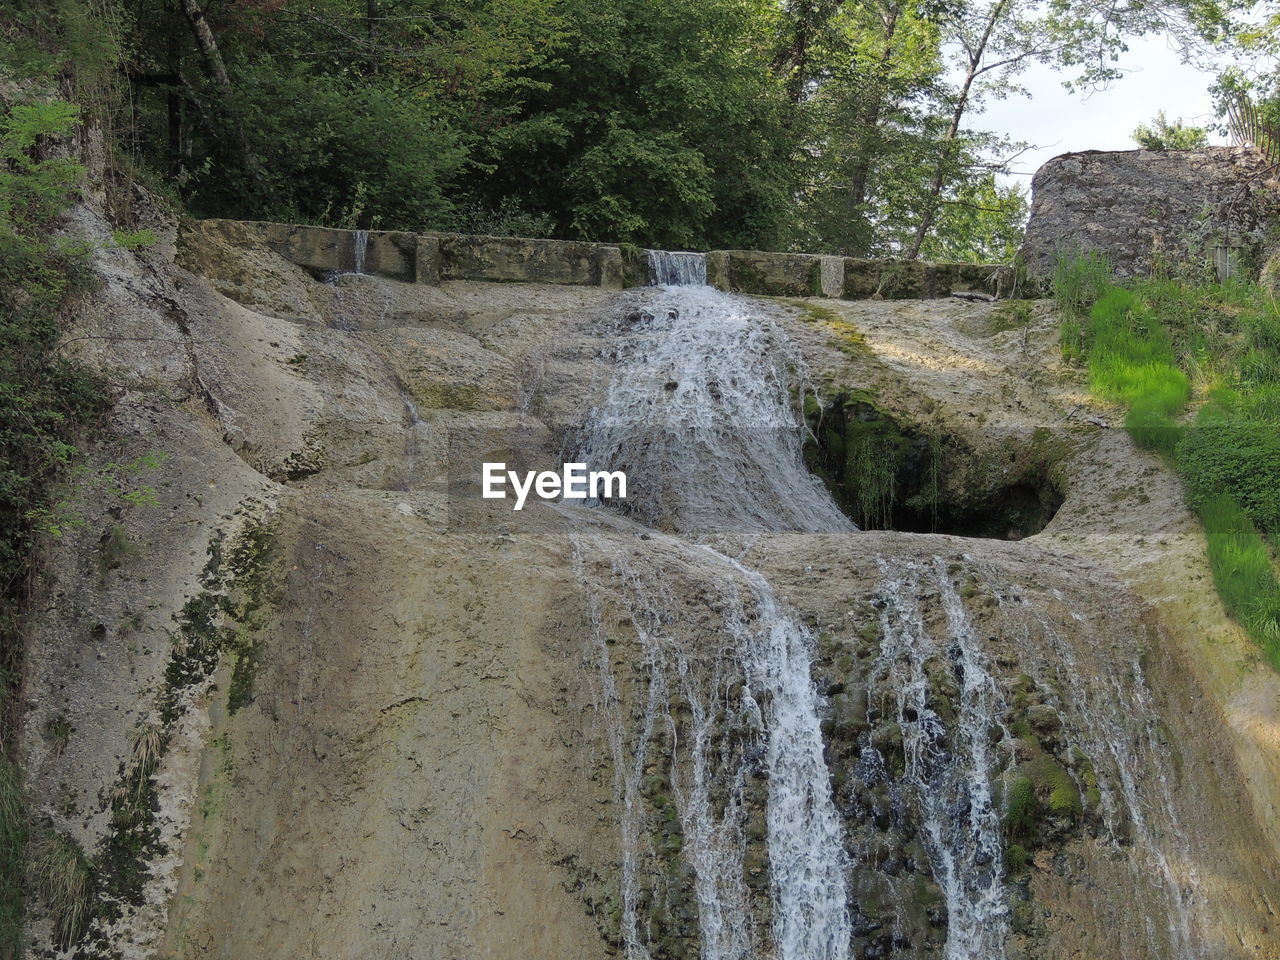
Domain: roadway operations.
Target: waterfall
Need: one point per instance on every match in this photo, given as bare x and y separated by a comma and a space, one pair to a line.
712, 715
950, 781
806, 843
703, 414
756, 687
677, 269
360, 246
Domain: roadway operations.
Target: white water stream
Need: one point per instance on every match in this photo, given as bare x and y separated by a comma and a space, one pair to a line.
703, 415
702, 412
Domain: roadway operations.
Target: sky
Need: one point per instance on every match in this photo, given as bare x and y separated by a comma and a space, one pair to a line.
1060, 122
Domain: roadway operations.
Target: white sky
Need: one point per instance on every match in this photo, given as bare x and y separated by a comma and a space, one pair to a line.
1060, 122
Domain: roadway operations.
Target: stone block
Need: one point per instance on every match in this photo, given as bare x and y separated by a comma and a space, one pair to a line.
516, 260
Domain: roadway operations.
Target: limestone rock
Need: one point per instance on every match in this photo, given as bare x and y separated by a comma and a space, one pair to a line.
1143, 208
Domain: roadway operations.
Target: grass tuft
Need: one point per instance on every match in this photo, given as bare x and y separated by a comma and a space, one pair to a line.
62, 877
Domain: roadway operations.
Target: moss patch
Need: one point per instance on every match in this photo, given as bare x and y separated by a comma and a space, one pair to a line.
843, 333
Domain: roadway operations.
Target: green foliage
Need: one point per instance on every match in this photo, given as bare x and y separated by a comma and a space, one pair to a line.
1020, 809
1243, 571
45, 400
980, 222
334, 150
1078, 281
114, 482
42, 396
13, 843
1131, 361
1142, 343
1160, 134
660, 124
134, 239
1227, 449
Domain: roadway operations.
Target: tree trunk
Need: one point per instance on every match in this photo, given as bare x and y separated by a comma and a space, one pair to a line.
870, 121
217, 71
948, 141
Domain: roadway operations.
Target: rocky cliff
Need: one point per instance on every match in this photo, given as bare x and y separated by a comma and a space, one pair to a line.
324, 701
1144, 208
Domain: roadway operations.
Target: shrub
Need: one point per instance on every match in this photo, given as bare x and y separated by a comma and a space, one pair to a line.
1243, 572
1020, 809
1238, 455
1160, 134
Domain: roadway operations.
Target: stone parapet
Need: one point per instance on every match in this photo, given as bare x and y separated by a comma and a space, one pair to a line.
432, 258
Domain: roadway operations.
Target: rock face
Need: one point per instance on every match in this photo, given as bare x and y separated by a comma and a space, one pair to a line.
1143, 208
324, 701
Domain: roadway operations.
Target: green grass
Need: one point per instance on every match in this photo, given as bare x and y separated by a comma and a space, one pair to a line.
1154, 345
1243, 571
1078, 281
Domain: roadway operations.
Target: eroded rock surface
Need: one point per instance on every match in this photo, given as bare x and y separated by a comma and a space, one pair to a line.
324, 701
1144, 208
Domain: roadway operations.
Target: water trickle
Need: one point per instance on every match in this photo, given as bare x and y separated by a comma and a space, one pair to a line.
1118, 725
703, 415
948, 776
360, 246
668, 269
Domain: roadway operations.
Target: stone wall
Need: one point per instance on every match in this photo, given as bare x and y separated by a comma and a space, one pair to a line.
1143, 207
436, 257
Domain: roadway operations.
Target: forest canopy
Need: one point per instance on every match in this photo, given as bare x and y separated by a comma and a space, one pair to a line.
818, 125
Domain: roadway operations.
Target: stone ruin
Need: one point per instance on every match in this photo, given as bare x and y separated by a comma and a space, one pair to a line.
1212, 208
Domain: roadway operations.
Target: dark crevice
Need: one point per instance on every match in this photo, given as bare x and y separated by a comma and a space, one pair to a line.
887, 474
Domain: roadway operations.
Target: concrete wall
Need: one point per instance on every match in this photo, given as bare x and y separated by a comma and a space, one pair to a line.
436, 257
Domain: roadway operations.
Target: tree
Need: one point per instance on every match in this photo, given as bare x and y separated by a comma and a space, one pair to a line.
997, 39
1160, 134
661, 124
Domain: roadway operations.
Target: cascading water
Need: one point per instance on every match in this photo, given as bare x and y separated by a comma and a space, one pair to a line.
702, 413
806, 844
750, 708
950, 780
359, 248
703, 416
677, 269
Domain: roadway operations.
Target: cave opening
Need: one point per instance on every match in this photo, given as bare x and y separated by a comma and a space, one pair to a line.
886, 474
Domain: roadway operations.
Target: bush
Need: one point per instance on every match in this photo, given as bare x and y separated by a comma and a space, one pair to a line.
334, 151
1160, 134
1243, 571
1224, 452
